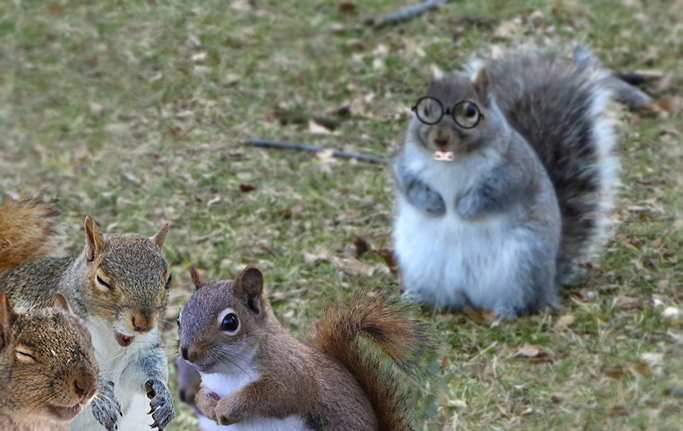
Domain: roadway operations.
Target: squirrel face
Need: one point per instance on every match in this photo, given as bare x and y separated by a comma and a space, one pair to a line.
47, 363
129, 280
470, 105
221, 325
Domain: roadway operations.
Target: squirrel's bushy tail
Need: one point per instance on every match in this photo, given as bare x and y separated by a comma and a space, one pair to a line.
29, 229
559, 103
383, 320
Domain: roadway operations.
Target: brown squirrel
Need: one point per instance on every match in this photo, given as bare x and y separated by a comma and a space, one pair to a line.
48, 370
257, 376
118, 285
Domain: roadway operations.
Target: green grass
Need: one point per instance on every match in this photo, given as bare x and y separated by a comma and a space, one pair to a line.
133, 112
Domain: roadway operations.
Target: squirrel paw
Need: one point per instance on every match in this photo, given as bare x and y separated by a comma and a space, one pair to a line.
423, 197
206, 402
106, 407
161, 405
469, 206
227, 412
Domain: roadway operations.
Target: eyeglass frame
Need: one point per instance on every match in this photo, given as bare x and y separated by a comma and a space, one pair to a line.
447, 111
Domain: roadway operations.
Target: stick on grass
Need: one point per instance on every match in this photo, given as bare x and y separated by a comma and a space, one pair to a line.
406, 14
315, 149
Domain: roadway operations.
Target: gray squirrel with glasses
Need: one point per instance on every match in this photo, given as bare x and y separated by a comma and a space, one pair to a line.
506, 180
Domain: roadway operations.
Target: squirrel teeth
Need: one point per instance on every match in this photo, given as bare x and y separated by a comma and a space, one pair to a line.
124, 340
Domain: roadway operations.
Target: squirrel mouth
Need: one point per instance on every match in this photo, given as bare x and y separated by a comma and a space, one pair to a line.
123, 340
204, 368
66, 413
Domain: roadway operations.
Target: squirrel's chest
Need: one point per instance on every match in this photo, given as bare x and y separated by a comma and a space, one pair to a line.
224, 385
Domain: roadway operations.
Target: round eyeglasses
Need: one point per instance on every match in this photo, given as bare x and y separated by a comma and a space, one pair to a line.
430, 111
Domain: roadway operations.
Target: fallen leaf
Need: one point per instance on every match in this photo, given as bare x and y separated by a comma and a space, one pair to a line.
564, 322
615, 372
556, 399
246, 188
628, 303
529, 350
355, 267
361, 246
314, 259
389, 259
480, 316
506, 30
347, 7
317, 128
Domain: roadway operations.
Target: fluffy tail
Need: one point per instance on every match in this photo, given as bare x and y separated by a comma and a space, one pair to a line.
559, 103
382, 320
28, 230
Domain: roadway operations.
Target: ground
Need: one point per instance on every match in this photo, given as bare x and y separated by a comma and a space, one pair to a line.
135, 113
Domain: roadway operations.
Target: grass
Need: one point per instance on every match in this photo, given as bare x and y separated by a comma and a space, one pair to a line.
133, 112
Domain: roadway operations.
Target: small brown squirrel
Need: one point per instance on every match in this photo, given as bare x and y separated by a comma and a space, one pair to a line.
118, 285
256, 376
48, 371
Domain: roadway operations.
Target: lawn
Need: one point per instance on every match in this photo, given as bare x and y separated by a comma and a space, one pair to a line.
134, 112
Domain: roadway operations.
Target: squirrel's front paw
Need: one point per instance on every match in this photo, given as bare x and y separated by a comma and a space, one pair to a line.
469, 206
206, 402
105, 406
227, 411
161, 405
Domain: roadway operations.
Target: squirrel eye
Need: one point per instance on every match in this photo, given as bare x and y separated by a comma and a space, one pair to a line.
466, 115
178, 321
102, 282
230, 323
168, 282
25, 357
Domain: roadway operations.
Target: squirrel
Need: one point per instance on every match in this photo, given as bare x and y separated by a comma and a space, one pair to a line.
506, 179
48, 370
188, 381
118, 285
256, 376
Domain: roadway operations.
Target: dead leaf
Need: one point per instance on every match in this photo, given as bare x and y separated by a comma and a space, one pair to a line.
347, 7
664, 84
315, 259
529, 350
361, 246
628, 303
317, 128
480, 316
564, 322
389, 259
615, 372
506, 30
246, 188
355, 267
556, 399
338, 28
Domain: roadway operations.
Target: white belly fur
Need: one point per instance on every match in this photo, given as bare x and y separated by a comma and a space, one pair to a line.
442, 258
225, 385
113, 360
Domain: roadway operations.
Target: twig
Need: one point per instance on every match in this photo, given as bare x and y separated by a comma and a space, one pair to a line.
406, 14
292, 146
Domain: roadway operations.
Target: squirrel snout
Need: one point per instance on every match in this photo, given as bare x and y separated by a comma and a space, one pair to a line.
189, 354
142, 321
85, 385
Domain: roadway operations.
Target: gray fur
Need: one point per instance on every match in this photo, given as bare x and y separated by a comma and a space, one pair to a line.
106, 407
417, 192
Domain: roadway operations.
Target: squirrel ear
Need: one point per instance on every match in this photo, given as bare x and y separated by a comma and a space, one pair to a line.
196, 279
160, 237
62, 303
435, 73
94, 240
250, 284
481, 85
7, 316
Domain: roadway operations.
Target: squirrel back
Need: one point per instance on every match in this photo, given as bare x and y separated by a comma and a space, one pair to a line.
382, 319
559, 104
29, 229
48, 371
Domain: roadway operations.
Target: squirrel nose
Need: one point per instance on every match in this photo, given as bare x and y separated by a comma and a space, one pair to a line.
188, 355
183, 353
142, 322
85, 384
